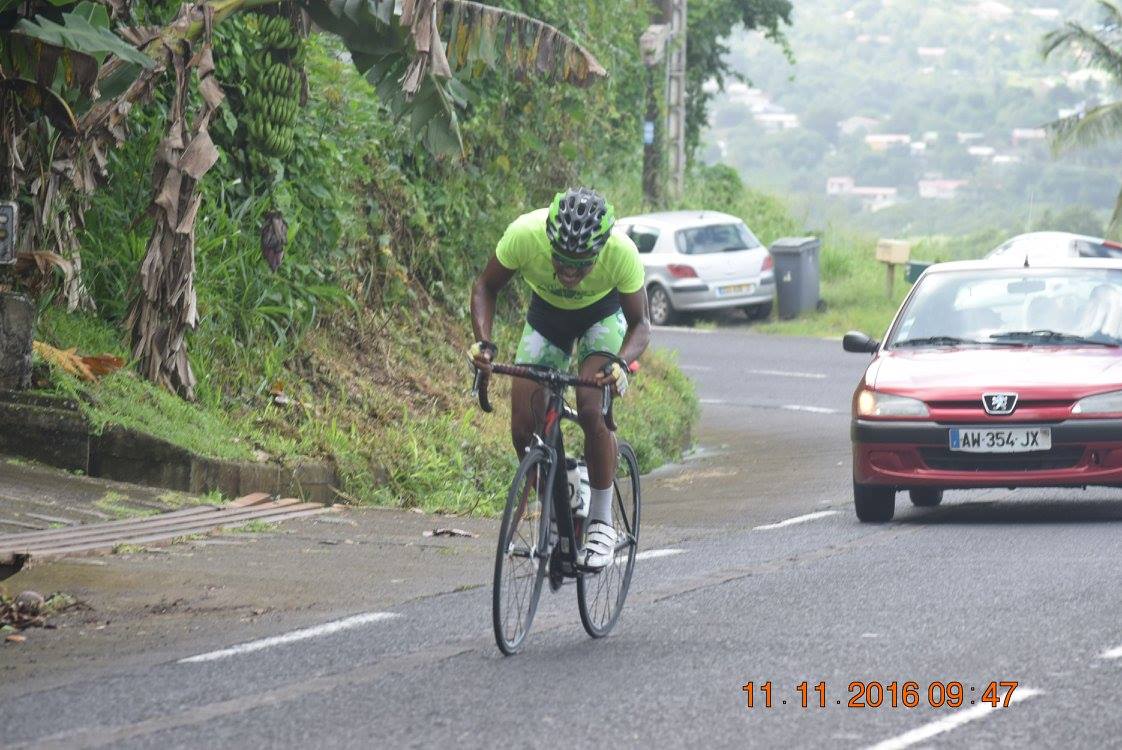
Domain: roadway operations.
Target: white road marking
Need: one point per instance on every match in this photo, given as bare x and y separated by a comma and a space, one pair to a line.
784, 407
683, 329
786, 374
1114, 653
653, 553
811, 409
297, 635
698, 368
797, 519
957, 719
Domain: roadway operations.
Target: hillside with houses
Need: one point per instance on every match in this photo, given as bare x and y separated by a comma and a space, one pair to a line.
918, 117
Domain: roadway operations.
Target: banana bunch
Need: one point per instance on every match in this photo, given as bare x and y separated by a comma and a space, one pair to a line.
276, 32
272, 98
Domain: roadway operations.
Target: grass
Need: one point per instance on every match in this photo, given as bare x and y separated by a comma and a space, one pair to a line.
388, 404
112, 502
853, 284
256, 526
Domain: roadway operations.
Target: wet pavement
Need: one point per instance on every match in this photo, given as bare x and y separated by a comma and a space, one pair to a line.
756, 571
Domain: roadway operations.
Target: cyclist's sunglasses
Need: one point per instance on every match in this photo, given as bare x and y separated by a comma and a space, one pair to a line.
572, 262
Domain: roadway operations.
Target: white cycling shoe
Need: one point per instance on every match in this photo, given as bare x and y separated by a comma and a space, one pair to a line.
599, 545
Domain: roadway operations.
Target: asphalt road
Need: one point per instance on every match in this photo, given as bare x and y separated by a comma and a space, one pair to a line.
765, 576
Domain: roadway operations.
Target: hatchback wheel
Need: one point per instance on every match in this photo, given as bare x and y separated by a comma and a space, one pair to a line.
761, 311
874, 504
925, 497
658, 303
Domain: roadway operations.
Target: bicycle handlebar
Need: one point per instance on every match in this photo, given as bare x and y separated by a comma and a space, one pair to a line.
548, 376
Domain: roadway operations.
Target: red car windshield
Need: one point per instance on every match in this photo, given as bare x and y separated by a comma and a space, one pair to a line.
1013, 307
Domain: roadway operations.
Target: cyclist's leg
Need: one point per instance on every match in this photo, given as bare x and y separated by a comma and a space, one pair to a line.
600, 445
527, 398
599, 441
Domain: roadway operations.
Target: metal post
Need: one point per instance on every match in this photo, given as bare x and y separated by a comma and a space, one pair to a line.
676, 96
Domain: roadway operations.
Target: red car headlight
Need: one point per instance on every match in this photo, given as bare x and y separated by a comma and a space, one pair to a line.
872, 404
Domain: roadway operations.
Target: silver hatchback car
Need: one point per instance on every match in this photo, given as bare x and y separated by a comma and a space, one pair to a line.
701, 260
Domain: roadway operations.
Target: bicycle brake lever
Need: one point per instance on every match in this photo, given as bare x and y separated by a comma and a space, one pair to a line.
479, 390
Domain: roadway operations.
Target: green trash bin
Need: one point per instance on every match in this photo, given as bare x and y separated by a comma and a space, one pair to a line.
914, 269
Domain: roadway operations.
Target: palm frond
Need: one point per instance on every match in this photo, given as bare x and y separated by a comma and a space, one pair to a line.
1114, 228
1086, 129
1097, 49
506, 39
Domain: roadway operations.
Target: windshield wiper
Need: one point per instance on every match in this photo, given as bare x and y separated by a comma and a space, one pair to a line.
940, 341
1045, 335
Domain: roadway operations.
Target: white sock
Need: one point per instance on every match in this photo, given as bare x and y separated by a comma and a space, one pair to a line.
600, 506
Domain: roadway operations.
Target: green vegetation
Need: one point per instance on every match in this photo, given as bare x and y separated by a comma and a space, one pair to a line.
353, 349
256, 526
114, 503
930, 71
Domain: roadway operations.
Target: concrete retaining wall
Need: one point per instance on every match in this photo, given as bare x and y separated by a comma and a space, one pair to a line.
53, 432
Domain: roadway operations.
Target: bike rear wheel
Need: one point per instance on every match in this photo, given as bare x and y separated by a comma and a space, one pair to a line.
521, 559
600, 596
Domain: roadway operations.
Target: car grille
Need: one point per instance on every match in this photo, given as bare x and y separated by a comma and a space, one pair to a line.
1060, 457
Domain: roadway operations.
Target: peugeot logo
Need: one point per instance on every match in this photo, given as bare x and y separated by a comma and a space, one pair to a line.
999, 403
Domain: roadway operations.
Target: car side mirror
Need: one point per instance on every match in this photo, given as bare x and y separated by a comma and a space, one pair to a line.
857, 342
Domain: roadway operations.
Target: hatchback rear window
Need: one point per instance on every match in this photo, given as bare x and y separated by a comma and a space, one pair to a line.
715, 238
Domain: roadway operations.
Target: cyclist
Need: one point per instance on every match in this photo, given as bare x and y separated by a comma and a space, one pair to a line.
586, 284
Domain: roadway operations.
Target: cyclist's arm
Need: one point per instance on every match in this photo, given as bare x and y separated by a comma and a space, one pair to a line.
483, 295
638, 325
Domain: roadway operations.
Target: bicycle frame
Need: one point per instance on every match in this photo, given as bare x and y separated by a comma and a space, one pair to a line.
551, 440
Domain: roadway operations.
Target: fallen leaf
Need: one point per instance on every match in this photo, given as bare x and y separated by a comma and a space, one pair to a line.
451, 532
16, 638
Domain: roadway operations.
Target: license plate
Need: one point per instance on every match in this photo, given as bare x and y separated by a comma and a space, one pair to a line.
726, 291
1000, 439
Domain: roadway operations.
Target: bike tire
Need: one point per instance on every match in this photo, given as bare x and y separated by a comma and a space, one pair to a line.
507, 600
600, 596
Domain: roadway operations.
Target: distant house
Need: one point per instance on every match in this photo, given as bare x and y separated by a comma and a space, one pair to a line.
839, 185
939, 189
1048, 14
1020, 135
981, 152
1078, 109
931, 53
884, 39
1006, 159
918, 148
875, 198
992, 10
968, 137
931, 136
1080, 78
851, 125
884, 141
776, 121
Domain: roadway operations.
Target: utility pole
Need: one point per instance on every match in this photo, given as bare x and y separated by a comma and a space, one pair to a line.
675, 11
652, 45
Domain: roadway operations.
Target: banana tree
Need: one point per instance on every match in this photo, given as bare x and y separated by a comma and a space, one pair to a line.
1100, 48
102, 67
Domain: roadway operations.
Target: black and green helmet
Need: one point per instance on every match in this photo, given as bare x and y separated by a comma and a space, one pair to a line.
579, 223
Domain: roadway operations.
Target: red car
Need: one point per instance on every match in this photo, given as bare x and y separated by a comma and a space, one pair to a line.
992, 377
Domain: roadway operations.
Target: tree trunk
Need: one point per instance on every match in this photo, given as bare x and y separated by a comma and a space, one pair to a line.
164, 309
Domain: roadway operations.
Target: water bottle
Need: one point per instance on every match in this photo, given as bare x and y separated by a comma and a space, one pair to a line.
580, 491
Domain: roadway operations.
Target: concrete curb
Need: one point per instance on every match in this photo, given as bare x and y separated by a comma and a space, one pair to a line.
54, 432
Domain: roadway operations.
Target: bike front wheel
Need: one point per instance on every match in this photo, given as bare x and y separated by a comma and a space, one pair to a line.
522, 554
600, 595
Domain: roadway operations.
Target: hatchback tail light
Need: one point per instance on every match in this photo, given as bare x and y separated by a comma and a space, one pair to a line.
769, 263
680, 271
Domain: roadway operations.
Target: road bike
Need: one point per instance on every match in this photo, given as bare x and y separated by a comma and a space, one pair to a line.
540, 534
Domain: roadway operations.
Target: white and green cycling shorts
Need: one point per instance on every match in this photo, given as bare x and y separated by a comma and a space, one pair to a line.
550, 332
